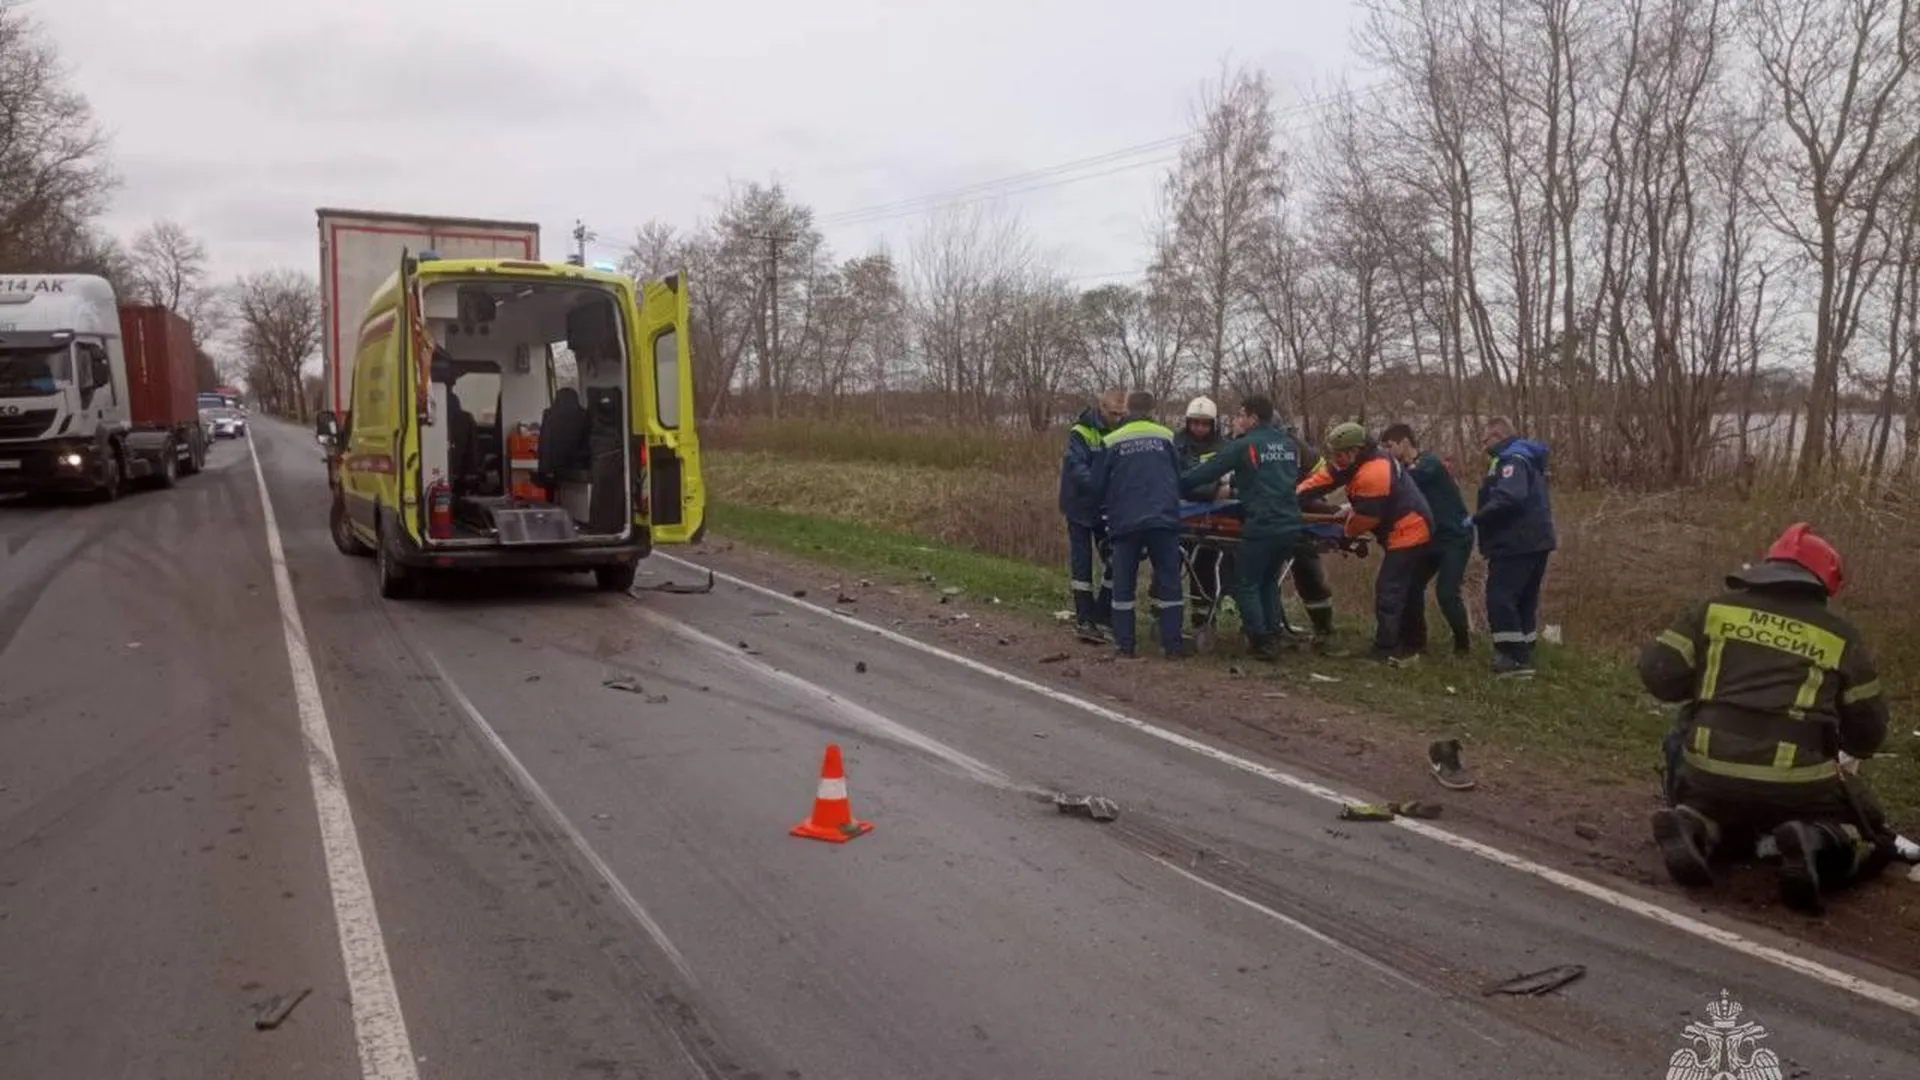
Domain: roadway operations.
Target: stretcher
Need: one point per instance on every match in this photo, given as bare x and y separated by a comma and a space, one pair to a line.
1213, 528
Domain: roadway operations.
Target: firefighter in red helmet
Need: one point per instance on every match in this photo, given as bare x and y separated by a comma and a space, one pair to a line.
1775, 688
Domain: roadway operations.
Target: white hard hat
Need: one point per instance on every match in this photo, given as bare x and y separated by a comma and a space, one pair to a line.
1202, 408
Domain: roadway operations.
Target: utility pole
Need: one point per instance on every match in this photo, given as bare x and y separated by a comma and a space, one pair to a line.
771, 375
581, 234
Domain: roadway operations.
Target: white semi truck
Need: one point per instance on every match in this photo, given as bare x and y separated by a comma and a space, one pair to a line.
92, 394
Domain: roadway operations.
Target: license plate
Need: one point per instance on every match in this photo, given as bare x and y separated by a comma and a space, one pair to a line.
9, 463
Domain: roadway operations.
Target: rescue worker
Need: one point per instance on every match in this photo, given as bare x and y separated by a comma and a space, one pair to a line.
1196, 441
1138, 477
1086, 533
1514, 517
1447, 553
1775, 687
1265, 464
1308, 573
1382, 500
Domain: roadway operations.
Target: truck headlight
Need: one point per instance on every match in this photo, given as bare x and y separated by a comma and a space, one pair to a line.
71, 461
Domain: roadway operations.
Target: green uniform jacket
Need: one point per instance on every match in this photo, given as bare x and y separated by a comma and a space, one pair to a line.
1776, 684
1265, 463
1450, 514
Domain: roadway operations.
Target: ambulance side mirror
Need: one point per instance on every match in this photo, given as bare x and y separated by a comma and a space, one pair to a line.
326, 428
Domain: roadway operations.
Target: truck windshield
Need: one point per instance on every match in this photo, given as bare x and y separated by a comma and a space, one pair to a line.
35, 372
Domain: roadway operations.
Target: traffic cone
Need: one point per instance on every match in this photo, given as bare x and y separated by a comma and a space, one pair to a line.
832, 818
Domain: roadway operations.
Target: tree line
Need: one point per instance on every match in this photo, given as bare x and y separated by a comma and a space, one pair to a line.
1673, 236
57, 181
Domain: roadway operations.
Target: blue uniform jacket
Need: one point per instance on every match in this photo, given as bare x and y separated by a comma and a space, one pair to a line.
1514, 514
1079, 499
1138, 475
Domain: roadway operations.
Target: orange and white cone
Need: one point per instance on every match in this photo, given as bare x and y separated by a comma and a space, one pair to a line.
832, 818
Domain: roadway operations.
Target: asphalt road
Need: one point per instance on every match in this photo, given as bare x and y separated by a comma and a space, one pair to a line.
578, 880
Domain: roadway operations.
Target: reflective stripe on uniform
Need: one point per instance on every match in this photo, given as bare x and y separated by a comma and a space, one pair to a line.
1679, 643
1083, 586
1319, 605
1766, 774
1087, 435
1123, 605
1856, 694
1781, 770
1161, 605
1508, 637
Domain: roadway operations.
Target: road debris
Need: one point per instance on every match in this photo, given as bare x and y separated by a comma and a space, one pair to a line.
843, 598
679, 589
657, 699
799, 594
274, 1011
1317, 677
1413, 808
624, 684
1585, 831
1067, 616
533, 678
1097, 807
1053, 658
860, 667
1443, 757
1235, 671
1903, 847
1536, 983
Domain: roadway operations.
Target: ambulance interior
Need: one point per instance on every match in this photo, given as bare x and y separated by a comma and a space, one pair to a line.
529, 385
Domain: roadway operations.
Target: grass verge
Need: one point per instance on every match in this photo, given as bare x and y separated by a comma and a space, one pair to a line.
1585, 717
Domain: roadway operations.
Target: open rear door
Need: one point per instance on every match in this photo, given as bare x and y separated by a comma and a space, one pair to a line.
663, 367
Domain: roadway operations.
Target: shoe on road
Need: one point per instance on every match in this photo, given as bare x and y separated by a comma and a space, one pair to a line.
1444, 758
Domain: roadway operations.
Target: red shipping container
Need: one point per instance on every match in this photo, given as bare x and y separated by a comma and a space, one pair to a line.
162, 384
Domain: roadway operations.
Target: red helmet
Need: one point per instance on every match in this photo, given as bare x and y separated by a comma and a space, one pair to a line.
1801, 546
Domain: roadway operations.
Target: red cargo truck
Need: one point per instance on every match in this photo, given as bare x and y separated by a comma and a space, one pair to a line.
165, 438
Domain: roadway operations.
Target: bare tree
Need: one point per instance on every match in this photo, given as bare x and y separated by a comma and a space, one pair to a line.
965, 270
1132, 338
1840, 71
277, 317
53, 174
1218, 199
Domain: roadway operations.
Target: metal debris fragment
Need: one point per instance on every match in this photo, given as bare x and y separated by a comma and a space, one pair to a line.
623, 683
683, 590
274, 1011
1097, 807
1536, 983
1053, 658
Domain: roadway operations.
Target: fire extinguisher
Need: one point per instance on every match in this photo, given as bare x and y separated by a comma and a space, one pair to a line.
439, 508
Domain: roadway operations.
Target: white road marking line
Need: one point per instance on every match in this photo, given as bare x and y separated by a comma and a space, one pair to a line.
547, 806
1739, 943
858, 715
379, 1027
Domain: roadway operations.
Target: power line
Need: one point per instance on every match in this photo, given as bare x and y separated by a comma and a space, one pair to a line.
1124, 159
1050, 176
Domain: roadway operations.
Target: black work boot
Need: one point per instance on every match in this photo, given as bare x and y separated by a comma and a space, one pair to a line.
1686, 843
1799, 844
1263, 647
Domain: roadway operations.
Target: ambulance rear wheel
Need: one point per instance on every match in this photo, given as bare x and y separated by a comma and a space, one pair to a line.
395, 582
616, 579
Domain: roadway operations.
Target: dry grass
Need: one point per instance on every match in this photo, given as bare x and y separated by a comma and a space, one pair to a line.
1628, 561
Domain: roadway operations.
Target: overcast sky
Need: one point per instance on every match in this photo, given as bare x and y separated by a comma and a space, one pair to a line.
238, 118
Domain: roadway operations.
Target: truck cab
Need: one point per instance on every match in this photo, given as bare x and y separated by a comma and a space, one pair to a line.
92, 394
514, 414
63, 399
